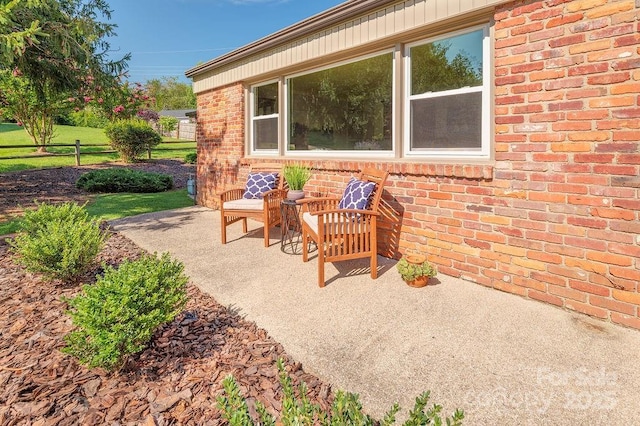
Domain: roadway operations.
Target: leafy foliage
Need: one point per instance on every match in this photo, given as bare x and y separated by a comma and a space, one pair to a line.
89, 116
410, 271
59, 44
169, 93
345, 410
131, 138
148, 115
51, 50
296, 175
20, 100
124, 180
168, 124
118, 315
60, 242
15, 37
191, 158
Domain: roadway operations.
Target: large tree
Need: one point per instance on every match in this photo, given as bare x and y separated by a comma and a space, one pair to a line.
169, 93
55, 49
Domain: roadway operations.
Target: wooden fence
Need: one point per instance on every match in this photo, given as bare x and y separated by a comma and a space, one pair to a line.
77, 152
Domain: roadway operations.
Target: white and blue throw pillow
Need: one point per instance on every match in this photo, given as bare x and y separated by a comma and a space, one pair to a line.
356, 195
258, 184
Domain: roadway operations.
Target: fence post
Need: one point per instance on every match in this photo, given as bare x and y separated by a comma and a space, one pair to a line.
77, 152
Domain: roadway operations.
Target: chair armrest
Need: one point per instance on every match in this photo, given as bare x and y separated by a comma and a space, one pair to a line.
274, 194
345, 212
231, 194
320, 203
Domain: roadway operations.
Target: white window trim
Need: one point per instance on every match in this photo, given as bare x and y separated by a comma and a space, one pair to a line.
343, 153
253, 118
485, 149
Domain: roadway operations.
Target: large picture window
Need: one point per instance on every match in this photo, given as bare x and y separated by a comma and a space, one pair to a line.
264, 118
343, 108
447, 109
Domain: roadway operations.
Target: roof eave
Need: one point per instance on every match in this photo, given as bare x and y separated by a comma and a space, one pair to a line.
315, 23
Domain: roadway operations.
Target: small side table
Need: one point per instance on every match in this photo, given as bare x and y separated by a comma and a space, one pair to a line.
290, 227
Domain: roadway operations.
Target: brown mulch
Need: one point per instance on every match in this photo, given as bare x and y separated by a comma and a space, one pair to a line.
20, 189
176, 380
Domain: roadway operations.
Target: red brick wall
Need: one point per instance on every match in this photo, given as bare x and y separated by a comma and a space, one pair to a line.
220, 136
567, 76
557, 217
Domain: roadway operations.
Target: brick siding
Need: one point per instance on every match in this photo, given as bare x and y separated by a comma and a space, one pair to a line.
557, 217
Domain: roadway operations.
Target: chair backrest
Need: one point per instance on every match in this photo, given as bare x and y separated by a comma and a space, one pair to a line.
271, 167
379, 177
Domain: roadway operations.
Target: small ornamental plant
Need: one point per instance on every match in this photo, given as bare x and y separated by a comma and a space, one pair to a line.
118, 315
411, 269
296, 175
345, 410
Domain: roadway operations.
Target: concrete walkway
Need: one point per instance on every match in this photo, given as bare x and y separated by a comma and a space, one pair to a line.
501, 358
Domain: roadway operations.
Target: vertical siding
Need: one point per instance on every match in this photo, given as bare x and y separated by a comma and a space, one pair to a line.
390, 21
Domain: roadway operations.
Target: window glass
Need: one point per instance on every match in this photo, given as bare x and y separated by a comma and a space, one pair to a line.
347, 107
265, 99
447, 122
446, 94
265, 117
265, 133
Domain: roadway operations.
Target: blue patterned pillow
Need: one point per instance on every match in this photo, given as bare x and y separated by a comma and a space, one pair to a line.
356, 195
258, 184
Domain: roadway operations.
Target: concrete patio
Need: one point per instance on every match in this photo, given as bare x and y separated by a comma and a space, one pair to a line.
501, 358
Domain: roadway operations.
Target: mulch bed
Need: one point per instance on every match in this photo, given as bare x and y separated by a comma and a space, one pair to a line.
175, 380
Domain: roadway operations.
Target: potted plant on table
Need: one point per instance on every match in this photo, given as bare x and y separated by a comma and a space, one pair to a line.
415, 270
296, 175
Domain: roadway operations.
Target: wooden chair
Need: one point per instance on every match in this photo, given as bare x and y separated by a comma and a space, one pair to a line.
233, 207
343, 234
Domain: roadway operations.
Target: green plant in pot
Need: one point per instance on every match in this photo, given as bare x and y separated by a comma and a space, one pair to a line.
296, 175
415, 270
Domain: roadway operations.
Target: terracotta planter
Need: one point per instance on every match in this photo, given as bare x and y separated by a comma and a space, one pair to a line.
418, 282
417, 259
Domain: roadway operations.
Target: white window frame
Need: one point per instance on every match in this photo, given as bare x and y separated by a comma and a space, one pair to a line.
485, 149
344, 153
253, 118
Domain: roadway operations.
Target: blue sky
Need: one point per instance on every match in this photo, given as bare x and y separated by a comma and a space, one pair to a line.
167, 37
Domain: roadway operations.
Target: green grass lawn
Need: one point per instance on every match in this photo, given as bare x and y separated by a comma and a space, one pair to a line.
11, 134
116, 206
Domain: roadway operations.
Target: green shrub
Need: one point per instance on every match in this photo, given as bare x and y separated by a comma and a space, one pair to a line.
345, 410
60, 242
124, 180
117, 316
132, 138
89, 116
191, 158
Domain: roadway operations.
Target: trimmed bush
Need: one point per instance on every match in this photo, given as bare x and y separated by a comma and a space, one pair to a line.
132, 138
118, 315
345, 410
191, 158
124, 180
59, 242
